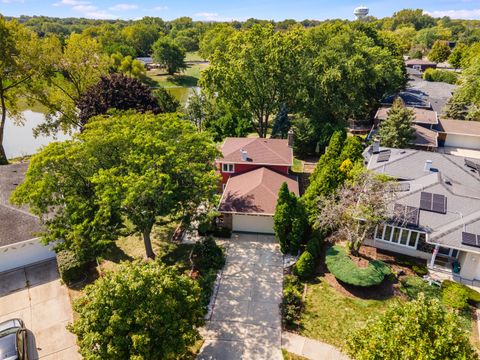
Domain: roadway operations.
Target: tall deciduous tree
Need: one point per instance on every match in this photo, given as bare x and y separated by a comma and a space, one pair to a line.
20, 53
257, 72
116, 91
440, 51
356, 209
419, 329
141, 166
72, 71
140, 311
169, 55
397, 130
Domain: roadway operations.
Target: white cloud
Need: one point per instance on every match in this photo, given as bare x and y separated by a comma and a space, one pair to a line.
123, 7
471, 14
99, 14
71, 3
12, 1
84, 8
210, 16
160, 8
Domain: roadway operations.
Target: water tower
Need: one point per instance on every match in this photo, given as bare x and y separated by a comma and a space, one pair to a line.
361, 12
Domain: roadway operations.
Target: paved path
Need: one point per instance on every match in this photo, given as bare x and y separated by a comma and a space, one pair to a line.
311, 349
245, 321
35, 295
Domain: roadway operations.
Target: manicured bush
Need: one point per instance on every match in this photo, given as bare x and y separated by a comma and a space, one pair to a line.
473, 297
315, 243
208, 255
436, 75
455, 297
420, 270
305, 266
291, 305
344, 269
70, 267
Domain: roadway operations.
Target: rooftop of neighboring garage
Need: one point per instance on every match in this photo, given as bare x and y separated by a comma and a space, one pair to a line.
16, 224
459, 127
421, 116
255, 192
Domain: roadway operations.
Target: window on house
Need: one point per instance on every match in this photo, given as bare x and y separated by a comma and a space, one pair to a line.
400, 236
228, 168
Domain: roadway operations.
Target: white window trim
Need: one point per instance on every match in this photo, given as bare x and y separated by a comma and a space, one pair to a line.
389, 241
228, 165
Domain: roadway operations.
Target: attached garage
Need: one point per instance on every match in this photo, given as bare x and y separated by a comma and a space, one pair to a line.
463, 141
23, 253
253, 223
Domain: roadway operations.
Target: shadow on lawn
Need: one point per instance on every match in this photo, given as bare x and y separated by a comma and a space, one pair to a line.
116, 254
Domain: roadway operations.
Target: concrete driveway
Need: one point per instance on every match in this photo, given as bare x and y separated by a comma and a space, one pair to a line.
35, 295
245, 321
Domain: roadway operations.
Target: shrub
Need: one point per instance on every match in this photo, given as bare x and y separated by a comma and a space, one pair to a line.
206, 281
221, 232
70, 267
412, 286
455, 297
291, 305
473, 297
420, 270
305, 266
435, 75
314, 244
207, 255
344, 269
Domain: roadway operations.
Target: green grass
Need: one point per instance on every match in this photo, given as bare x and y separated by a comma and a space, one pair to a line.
297, 165
331, 317
193, 56
187, 78
290, 356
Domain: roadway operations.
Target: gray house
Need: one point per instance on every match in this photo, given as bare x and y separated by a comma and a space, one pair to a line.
437, 211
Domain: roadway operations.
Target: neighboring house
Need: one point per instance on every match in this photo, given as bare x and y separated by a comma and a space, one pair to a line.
437, 212
253, 169
459, 134
425, 120
420, 64
19, 245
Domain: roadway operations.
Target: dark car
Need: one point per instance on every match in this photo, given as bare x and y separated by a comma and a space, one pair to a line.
13, 340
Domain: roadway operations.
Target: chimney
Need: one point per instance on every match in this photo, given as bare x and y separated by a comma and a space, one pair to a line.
244, 154
376, 147
290, 138
428, 165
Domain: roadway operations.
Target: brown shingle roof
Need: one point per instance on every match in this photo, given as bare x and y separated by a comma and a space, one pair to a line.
16, 224
255, 192
259, 151
412, 62
425, 137
460, 127
422, 116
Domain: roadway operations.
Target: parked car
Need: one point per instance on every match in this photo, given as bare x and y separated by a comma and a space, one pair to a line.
13, 340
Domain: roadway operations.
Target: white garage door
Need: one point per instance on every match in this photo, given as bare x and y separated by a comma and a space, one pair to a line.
252, 223
22, 254
463, 141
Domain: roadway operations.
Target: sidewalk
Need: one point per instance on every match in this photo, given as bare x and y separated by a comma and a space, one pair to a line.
311, 349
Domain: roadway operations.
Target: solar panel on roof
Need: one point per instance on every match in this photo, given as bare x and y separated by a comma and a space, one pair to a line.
470, 239
404, 186
407, 215
433, 202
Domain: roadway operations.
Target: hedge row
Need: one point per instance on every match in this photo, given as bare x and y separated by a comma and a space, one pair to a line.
436, 75
344, 269
305, 266
291, 306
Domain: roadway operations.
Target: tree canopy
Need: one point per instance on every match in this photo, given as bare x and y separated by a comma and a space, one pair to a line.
169, 55
419, 329
397, 130
127, 166
140, 311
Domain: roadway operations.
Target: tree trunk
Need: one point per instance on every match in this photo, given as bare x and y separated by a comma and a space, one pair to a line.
3, 156
148, 242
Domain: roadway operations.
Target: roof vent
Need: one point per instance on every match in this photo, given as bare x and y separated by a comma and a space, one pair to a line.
376, 147
428, 165
244, 154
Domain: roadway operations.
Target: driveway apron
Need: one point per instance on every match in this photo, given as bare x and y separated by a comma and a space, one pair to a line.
245, 322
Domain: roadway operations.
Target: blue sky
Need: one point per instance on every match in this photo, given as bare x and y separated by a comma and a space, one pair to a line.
232, 9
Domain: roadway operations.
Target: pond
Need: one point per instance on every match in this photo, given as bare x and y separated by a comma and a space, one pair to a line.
19, 140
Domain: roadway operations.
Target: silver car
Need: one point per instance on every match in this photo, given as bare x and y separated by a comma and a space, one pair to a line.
13, 340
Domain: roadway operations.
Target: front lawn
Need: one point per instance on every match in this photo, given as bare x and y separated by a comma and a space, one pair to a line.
187, 78
331, 316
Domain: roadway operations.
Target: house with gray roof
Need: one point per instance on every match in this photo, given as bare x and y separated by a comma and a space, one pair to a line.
436, 215
19, 242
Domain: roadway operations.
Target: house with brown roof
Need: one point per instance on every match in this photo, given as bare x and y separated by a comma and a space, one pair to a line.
459, 134
420, 64
252, 170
